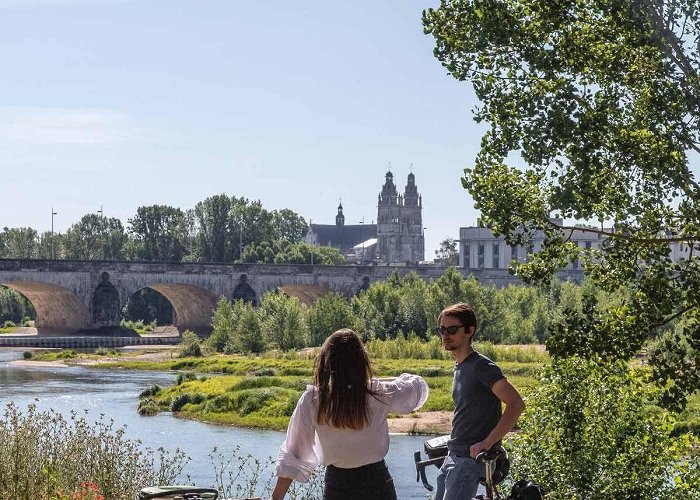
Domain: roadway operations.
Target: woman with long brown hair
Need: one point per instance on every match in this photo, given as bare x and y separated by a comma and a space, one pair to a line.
340, 422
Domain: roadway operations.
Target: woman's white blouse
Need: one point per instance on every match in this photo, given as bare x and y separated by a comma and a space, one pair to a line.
308, 444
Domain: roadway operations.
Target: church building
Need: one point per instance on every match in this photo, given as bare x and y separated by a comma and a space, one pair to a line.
397, 237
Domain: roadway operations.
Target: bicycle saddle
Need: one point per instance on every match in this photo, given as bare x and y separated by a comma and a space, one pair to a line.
500, 472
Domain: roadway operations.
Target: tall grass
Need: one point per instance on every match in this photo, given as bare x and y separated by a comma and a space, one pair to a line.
43, 455
415, 348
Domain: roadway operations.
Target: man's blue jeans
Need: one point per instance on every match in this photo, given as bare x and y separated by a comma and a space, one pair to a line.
458, 478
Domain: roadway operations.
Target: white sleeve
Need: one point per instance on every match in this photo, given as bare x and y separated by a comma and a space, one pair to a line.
406, 393
297, 459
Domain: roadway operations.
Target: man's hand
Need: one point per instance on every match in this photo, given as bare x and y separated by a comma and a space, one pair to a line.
477, 448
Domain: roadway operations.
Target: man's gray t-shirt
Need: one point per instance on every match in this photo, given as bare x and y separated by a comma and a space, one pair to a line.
477, 409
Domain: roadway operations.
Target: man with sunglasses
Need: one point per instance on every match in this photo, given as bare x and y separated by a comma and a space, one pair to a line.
478, 389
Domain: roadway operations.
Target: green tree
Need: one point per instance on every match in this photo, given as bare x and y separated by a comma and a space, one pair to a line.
157, 233
330, 313
14, 306
50, 244
283, 251
450, 288
148, 305
249, 337
288, 225
377, 309
447, 254
190, 345
598, 103
215, 231
94, 238
283, 320
605, 438
223, 323
19, 243
411, 312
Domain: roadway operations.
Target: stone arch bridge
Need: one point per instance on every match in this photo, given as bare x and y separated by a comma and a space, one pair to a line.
75, 296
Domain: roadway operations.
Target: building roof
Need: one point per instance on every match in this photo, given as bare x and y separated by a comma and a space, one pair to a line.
342, 237
366, 244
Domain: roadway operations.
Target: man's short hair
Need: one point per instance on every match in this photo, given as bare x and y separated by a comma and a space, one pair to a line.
463, 312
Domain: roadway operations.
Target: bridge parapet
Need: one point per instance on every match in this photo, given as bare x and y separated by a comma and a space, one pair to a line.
92, 293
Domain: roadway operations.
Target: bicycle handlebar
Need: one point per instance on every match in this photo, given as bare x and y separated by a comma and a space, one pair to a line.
420, 468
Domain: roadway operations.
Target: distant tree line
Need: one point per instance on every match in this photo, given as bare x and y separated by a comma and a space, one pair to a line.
397, 308
220, 228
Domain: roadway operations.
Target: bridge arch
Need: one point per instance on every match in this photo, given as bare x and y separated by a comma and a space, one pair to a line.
192, 305
58, 309
307, 294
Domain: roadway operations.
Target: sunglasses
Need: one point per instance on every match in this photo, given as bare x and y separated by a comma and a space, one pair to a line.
449, 330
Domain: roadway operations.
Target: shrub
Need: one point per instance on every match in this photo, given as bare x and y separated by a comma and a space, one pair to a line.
184, 377
149, 392
43, 455
179, 401
190, 346
148, 406
27, 355
264, 372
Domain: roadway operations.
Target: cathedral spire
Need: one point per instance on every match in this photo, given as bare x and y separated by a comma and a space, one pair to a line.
340, 218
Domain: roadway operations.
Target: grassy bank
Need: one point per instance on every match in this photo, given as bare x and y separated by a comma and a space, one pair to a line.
261, 391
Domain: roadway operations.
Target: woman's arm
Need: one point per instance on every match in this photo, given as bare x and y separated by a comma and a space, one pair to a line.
297, 458
406, 393
281, 487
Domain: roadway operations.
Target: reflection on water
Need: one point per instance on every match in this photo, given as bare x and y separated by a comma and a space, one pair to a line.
114, 393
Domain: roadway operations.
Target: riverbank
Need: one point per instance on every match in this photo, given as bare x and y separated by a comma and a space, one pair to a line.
422, 422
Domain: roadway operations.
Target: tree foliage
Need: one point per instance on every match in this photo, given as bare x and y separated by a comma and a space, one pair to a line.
19, 243
158, 233
283, 321
14, 306
447, 254
94, 238
330, 313
607, 439
592, 114
283, 251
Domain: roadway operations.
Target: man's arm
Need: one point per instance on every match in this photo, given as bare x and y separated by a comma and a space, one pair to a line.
504, 391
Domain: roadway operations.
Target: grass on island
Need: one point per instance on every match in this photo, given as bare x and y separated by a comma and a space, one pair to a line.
262, 391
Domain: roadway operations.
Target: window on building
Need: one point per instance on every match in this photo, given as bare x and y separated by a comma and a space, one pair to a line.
495, 262
480, 256
514, 252
467, 255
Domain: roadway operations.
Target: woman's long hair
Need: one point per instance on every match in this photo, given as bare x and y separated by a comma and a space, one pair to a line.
342, 372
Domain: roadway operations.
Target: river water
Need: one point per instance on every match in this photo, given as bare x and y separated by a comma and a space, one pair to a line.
114, 393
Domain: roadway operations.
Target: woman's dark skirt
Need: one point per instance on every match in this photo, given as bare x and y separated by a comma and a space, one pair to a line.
369, 482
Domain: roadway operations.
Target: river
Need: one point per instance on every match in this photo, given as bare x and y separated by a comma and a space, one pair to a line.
114, 393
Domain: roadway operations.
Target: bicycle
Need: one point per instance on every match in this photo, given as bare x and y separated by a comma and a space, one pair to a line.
180, 492
495, 461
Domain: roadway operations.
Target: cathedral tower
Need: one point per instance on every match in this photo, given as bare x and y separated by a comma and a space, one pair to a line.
400, 223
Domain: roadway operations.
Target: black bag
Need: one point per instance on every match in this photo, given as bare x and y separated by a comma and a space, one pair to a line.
525, 490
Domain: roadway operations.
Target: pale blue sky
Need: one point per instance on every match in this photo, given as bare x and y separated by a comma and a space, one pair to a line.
124, 103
